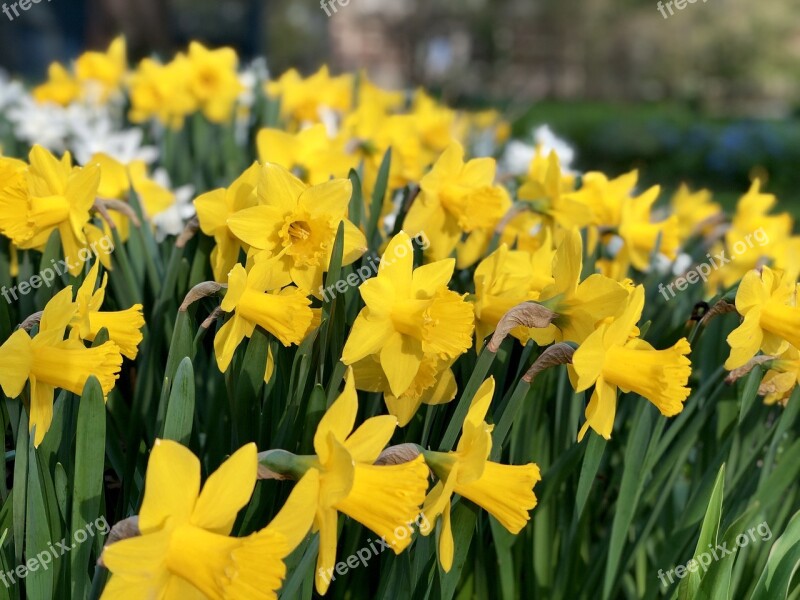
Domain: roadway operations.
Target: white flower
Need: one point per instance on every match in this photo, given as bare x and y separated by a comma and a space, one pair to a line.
125, 146
11, 92
173, 220
518, 155
546, 140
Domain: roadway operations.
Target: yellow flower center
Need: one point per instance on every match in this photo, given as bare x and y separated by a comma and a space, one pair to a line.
410, 316
48, 211
306, 239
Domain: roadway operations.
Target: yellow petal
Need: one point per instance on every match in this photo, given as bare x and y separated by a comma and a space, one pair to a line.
279, 188
227, 490
401, 357
327, 523
397, 263
367, 337
16, 359
339, 419
172, 486
294, 520
228, 338
601, 410
41, 409
446, 546
368, 441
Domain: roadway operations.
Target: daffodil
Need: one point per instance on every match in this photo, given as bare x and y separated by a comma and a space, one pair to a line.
308, 100
781, 378
457, 198
213, 80
213, 210
311, 153
258, 298
162, 92
507, 278
434, 384
695, 211
504, 491
60, 88
58, 196
297, 224
768, 303
103, 72
579, 305
642, 237
385, 499
610, 358
751, 228
116, 182
185, 549
548, 190
124, 326
49, 361
409, 314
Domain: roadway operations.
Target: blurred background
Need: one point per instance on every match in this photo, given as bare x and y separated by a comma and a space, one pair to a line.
708, 95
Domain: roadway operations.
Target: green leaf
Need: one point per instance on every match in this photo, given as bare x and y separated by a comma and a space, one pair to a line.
376, 207
180, 410
87, 484
709, 533
782, 564
39, 582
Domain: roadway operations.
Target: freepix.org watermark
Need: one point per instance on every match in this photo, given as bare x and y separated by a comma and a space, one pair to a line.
47, 276
365, 554
679, 4
329, 6
23, 5
370, 268
45, 558
703, 270
715, 553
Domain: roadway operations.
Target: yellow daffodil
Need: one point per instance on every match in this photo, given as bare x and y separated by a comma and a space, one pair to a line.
504, 491
507, 278
102, 73
307, 100
695, 211
213, 80
213, 210
49, 362
124, 326
310, 153
60, 88
385, 499
754, 238
609, 359
605, 196
162, 92
117, 181
58, 196
256, 299
579, 305
641, 236
410, 313
781, 378
297, 225
185, 549
457, 198
771, 321
548, 192
434, 384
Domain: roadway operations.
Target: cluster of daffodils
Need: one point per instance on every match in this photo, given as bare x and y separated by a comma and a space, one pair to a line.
183, 543
302, 182
56, 355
